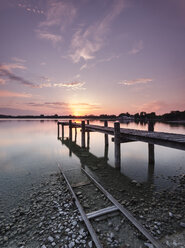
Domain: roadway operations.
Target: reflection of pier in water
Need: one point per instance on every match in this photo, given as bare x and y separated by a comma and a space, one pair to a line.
88, 159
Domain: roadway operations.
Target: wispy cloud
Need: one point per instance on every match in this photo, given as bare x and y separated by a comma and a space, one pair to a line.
6, 93
136, 81
9, 67
72, 85
64, 105
59, 13
18, 60
58, 16
138, 46
54, 38
86, 42
5, 71
86, 105
29, 8
6, 74
83, 67
104, 60
48, 104
153, 106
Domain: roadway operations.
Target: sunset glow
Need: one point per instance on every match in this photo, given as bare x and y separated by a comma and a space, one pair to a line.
91, 57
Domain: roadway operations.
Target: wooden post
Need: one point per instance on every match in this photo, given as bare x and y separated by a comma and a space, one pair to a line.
88, 136
105, 123
151, 163
106, 142
75, 134
83, 134
70, 129
150, 126
117, 147
62, 131
151, 155
58, 130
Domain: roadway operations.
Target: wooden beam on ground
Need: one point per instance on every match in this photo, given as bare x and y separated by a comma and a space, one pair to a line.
102, 211
129, 216
84, 216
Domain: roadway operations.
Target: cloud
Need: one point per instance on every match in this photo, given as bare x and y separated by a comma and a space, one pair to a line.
49, 104
16, 111
5, 93
58, 13
153, 106
83, 67
5, 71
136, 81
86, 42
108, 59
86, 105
54, 38
137, 47
29, 8
72, 85
64, 106
18, 60
9, 67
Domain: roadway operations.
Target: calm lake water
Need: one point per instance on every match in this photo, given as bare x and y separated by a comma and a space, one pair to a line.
30, 150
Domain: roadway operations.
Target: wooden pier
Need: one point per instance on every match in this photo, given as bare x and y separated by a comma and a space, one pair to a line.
123, 135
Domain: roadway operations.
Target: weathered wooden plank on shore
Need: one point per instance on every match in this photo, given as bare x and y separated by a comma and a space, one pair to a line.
160, 138
84, 216
126, 213
102, 211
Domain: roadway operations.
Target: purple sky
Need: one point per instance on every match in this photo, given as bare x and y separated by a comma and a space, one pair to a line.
92, 56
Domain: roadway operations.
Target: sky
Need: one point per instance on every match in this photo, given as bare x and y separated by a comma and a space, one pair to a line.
85, 57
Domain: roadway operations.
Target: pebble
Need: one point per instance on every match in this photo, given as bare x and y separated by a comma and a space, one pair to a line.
90, 244
148, 245
182, 224
51, 239
72, 244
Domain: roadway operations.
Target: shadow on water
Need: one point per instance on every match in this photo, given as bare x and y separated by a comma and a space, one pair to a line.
112, 178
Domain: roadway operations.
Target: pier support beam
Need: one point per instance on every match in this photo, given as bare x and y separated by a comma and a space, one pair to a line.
151, 155
83, 134
58, 133
62, 131
70, 129
88, 136
117, 148
106, 142
75, 134
150, 126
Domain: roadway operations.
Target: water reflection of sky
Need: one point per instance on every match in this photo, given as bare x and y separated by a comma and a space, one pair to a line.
30, 150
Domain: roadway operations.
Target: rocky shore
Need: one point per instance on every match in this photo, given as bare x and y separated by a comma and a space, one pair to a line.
49, 218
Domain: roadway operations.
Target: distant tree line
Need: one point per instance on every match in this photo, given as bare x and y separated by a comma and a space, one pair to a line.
172, 116
142, 116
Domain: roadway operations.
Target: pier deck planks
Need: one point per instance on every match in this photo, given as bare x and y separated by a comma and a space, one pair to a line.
160, 138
